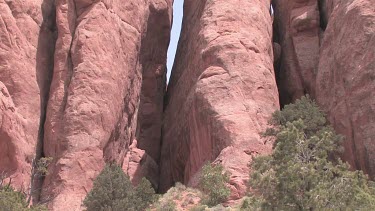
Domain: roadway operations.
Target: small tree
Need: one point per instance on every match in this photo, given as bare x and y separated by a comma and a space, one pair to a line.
303, 172
213, 182
113, 191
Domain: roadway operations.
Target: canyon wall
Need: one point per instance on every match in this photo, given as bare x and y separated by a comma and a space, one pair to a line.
87, 59
345, 82
27, 37
221, 93
84, 82
327, 52
297, 31
95, 91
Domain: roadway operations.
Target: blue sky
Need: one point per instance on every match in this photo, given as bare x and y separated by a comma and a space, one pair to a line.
175, 34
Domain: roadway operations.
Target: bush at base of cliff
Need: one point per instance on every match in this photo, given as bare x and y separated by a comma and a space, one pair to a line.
11, 200
178, 197
113, 191
213, 182
304, 172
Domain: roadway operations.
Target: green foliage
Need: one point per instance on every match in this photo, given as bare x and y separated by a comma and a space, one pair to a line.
198, 208
42, 165
12, 200
213, 182
113, 191
303, 173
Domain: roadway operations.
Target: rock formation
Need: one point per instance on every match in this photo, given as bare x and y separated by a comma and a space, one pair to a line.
26, 46
297, 31
345, 81
221, 93
82, 80
94, 95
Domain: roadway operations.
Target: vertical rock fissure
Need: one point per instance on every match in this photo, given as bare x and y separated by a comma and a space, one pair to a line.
45, 52
276, 52
154, 46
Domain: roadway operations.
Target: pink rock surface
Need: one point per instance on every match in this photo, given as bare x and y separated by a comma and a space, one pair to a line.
138, 164
26, 43
94, 95
346, 79
221, 93
15, 150
297, 30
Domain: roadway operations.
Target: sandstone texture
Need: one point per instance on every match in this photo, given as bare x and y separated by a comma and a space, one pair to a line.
221, 93
345, 81
26, 45
297, 28
138, 164
15, 150
94, 95
84, 82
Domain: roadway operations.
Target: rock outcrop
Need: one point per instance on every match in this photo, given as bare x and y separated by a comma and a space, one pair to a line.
26, 45
82, 80
94, 95
221, 93
345, 81
297, 28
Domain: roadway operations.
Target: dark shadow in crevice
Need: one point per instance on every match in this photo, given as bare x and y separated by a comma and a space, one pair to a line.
322, 4
44, 72
153, 55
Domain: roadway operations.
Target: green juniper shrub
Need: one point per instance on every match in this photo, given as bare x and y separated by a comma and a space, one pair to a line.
12, 200
113, 191
213, 182
303, 172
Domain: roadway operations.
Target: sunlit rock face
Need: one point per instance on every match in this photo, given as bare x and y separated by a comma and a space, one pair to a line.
221, 93
27, 39
345, 80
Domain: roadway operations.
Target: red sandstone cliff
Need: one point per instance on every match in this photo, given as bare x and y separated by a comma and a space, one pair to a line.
221, 93
81, 80
345, 84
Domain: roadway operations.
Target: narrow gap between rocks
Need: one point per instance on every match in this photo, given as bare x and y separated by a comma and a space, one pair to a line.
44, 67
277, 52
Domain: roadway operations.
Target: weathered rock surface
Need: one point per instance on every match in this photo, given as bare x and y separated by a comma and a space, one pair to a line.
221, 93
297, 25
345, 81
26, 43
138, 164
94, 95
15, 150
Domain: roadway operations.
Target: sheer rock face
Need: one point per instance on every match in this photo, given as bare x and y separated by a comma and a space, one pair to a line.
221, 93
346, 79
94, 95
297, 31
26, 46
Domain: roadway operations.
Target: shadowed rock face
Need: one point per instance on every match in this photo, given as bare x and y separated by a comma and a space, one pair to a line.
297, 31
221, 93
346, 79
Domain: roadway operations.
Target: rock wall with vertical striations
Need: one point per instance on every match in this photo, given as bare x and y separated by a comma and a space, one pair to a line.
345, 81
221, 93
94, 96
